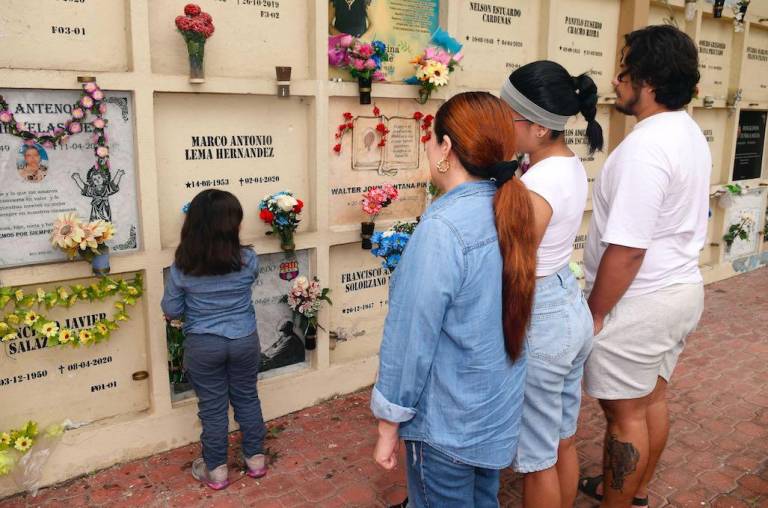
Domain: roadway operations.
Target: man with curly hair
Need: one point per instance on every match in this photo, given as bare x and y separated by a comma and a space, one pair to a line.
649, 223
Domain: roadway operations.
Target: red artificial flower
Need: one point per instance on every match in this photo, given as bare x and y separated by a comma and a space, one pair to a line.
383, 142
342, 127
418, 115
299, 206
338, 136
266, 215
350, 125
382, 128
347, 116
206, 18
426, 138
376, 111
428, 118
192, 10
337, 148
183, 23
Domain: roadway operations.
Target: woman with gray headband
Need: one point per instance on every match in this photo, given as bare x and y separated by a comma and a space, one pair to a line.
543, 96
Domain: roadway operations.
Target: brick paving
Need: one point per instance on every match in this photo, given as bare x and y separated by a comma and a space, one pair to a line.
717, 454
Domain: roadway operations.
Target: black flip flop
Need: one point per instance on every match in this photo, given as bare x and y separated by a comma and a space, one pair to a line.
588, 485
404, 504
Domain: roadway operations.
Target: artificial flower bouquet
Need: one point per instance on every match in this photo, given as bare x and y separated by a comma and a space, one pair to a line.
435, 64
362, 59
374, 201
741, 230
305, 299
25, 451
196, 27
391, 243
85, 239
281, 211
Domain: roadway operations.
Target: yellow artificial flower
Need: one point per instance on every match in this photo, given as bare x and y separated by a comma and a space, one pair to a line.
67, 232
102, 328
65, 336
12, 319
23, 444
19, 295
63, 293
5, 438
4, 328
50, 329
9, 336
31, 318
85, 336
40, 295
132, 291
7, 461
438, 73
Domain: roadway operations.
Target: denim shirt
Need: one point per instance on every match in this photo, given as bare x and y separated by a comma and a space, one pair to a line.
444, 373
214, 304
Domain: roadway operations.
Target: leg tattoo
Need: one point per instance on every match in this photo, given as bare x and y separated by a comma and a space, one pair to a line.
622, 461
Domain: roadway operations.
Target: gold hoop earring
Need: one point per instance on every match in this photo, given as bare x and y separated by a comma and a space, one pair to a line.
443, 166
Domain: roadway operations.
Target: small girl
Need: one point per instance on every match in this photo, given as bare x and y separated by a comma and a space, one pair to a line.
209, 284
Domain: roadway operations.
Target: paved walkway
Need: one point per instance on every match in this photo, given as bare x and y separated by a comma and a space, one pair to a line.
717, 454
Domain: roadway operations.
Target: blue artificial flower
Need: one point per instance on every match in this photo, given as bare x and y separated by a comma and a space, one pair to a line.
281, 220
379, 47
185, 208
443, 39
413, 80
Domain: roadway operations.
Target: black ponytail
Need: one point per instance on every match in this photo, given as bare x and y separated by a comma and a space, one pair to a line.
587, 93
549, 85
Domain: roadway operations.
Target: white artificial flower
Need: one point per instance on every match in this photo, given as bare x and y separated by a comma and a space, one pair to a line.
286, 203
301, 282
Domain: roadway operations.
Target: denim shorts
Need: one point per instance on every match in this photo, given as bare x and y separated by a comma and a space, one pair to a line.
557, 343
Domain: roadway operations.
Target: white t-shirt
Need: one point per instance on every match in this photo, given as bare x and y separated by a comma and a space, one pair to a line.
562, 182
653, 194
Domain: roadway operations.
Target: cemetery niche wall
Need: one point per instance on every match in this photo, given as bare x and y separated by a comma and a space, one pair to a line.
169, 138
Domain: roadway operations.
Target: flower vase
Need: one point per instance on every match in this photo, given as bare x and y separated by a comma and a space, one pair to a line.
366, 232
310, 339
286, 240
100, 263
424, 94
196, 50
365, 89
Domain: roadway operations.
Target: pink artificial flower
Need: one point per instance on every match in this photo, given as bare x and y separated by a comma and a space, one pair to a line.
379, 76
442, 57
337, 57
97, 95
102, 108
95, 138
5, 116
335, 40
87, 102
358, 64
102, 151
99, 123
21, 126
346, 40
457, 57
365, 50
429, 53
370, 64
57, 131
75, 127
90, 87
78, 113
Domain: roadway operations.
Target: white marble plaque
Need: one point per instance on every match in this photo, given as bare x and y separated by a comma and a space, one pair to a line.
28, 207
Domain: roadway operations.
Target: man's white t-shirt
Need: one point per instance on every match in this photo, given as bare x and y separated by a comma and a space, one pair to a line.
653, 194
562, 182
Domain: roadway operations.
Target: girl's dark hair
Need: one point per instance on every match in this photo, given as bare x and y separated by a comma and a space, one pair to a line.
548, 85
665, 58
482, 134
210, 237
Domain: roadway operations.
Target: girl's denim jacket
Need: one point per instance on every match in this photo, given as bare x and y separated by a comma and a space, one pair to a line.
444, 373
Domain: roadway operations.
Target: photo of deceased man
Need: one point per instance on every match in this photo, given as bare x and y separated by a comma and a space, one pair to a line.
32, 163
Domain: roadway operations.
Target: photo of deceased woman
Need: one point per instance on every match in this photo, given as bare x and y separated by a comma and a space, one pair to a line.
32, 163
